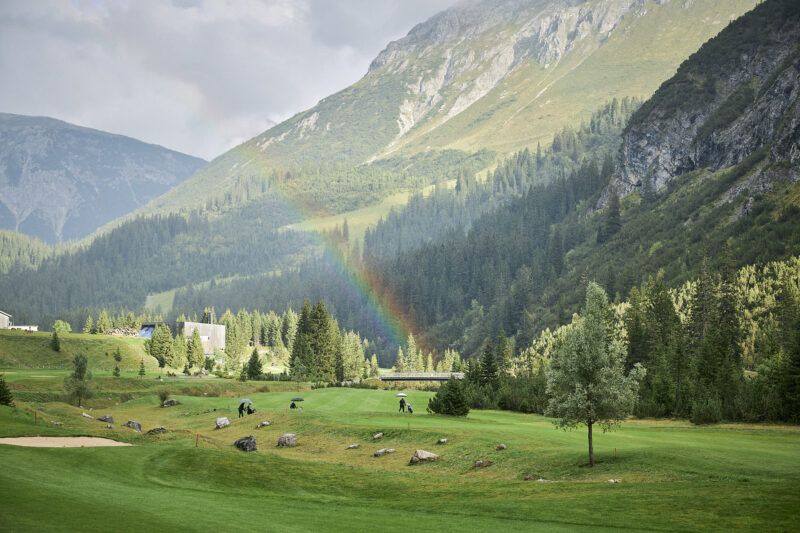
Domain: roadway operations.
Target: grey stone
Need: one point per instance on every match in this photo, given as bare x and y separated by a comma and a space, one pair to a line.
482, 463
377, 436
106, 418
222, 422
246, 444
56, 423
170, 402
158, 430
384, 451
86, 415
265, 423
442, 441
109, 426
501, 447
353, 446
421, 456
289, 439
133, 424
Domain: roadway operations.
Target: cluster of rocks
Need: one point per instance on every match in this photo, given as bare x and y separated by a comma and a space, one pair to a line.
170, 402
384, 451
157, 431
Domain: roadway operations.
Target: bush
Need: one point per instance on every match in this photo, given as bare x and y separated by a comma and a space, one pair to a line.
6, 398
706, 410
450, 400
163, 395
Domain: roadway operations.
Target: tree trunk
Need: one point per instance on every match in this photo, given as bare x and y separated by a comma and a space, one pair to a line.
591, 446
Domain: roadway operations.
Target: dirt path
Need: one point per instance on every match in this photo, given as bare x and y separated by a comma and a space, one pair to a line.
61, 442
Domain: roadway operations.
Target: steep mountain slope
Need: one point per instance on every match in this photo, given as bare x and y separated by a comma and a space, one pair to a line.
737, 95
496, 74
59, 181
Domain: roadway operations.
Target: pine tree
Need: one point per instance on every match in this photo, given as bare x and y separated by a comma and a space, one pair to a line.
76, 384
103, 323
488, 366
89, 326
179, 348
6, 398
116, 371
55, 344
254, 369
195, 354
449, 400
141, 369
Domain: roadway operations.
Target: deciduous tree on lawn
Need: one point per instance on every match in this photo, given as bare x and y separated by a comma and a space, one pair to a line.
586, 380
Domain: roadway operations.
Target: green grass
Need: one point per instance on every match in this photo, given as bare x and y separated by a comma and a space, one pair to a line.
675, 476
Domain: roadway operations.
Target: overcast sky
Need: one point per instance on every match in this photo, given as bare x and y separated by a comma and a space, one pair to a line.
198, 76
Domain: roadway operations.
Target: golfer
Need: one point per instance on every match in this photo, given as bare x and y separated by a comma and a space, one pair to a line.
402, 405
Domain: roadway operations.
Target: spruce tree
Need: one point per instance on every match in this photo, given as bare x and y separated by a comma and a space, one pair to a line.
55, 344
195, 354
449, 400
141, 369
89, 326
488, 366
254, 369
76, 384
116, 371
6, 398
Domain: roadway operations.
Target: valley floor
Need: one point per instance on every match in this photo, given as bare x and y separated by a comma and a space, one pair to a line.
674, 476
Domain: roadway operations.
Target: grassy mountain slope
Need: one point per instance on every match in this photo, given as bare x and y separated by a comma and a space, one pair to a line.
497, 74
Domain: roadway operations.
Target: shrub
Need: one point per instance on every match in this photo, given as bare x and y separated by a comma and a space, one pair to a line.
450, 400
6, 398
163, 395
706, 410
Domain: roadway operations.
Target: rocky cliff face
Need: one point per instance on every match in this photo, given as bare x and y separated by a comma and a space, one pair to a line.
59, 181
736, 95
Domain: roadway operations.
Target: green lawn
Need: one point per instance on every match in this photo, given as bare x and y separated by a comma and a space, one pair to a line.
675, 476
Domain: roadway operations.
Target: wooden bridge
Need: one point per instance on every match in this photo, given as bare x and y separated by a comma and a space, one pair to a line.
420, 376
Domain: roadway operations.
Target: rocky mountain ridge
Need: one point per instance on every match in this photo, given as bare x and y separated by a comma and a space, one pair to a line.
59, 181
738, 98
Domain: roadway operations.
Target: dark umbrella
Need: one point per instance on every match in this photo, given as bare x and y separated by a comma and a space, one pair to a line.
297, 400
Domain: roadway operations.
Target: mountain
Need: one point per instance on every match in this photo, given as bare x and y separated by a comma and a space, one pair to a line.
61, 182
735, 98
500, 75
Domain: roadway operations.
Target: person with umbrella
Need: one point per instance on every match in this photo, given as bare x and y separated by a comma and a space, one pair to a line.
402, 403
294, 406
242, 404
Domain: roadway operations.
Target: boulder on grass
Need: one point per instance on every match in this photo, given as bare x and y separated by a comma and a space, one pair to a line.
482, 463
265, 423
441, 441
134, 425
158, 430
106, 418
222, 422
377, 436
289, 439
86, 415
353, 446
501, 447
384, 451
170, 402
246, 444
421, 456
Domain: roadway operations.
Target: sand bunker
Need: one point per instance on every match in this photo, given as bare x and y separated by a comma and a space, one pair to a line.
61, 442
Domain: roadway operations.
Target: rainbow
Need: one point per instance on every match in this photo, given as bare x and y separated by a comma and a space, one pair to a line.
384, 310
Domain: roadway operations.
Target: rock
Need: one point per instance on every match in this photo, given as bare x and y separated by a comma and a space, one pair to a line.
353, 446
109, 426
87, 415
421, 456
158, 430
106, 418
265, 423
441, 441
56, 423
133, 424
41, 407
501, 447
170, 402
246, 444
615, 481
482, 463
384, 451
222, 422
289, 439
377, 436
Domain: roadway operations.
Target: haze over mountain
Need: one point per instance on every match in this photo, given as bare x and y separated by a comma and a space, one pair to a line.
61, 182
491, 74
